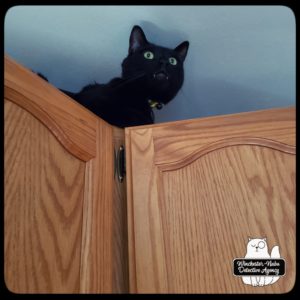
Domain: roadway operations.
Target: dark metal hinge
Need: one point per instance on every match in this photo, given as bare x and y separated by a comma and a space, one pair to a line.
120, 163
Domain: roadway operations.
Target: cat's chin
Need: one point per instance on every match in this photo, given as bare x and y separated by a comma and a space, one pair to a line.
159, 82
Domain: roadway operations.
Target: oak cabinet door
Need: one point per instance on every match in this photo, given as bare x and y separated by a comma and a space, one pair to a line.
198, 190
63, 212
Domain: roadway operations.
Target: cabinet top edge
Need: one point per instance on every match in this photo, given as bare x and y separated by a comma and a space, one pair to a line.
276, 113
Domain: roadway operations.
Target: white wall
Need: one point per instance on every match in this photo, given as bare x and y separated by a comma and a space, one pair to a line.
241, 58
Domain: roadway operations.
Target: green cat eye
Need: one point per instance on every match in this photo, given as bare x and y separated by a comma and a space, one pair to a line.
148, 55
173, 61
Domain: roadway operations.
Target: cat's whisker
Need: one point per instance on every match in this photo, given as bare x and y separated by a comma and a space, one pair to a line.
129, 80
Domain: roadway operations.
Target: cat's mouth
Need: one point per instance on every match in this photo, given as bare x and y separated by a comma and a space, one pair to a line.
160, 75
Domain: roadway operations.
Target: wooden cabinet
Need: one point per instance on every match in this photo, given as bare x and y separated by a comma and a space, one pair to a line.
198, 189
194, 192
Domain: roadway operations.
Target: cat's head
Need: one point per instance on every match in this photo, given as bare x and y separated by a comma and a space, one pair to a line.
163, 67
257, 246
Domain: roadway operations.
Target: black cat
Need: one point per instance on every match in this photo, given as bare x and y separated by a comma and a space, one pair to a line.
151, 76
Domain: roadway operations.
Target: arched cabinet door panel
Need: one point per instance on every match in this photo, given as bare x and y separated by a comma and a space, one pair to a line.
199, 190
62, 218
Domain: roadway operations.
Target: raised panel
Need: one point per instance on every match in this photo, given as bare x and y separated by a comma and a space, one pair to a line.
210, 207
44, 187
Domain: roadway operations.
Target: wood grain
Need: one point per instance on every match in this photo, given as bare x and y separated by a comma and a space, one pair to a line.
175, 141
237, 181
72, 124
104, 263
130, 214
43, 208
211, 207
120, 240
149, 266
87, 251
234, 141
97, 248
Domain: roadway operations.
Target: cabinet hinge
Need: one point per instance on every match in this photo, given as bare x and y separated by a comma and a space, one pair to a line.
120, 163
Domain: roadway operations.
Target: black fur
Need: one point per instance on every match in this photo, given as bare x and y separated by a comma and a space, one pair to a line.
124, 101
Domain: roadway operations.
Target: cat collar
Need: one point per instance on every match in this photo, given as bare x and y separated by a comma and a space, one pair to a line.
155, 104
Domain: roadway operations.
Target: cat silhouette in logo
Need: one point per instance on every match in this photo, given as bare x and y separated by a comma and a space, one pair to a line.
256, 249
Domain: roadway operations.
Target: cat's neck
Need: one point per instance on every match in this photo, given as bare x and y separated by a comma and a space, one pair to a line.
130, 92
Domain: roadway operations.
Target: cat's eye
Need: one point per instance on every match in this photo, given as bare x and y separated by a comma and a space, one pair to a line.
173, 61
261, 245
148, 55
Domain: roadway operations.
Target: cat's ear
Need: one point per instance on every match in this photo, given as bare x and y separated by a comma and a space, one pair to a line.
182, 50
249, 239
137, 39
